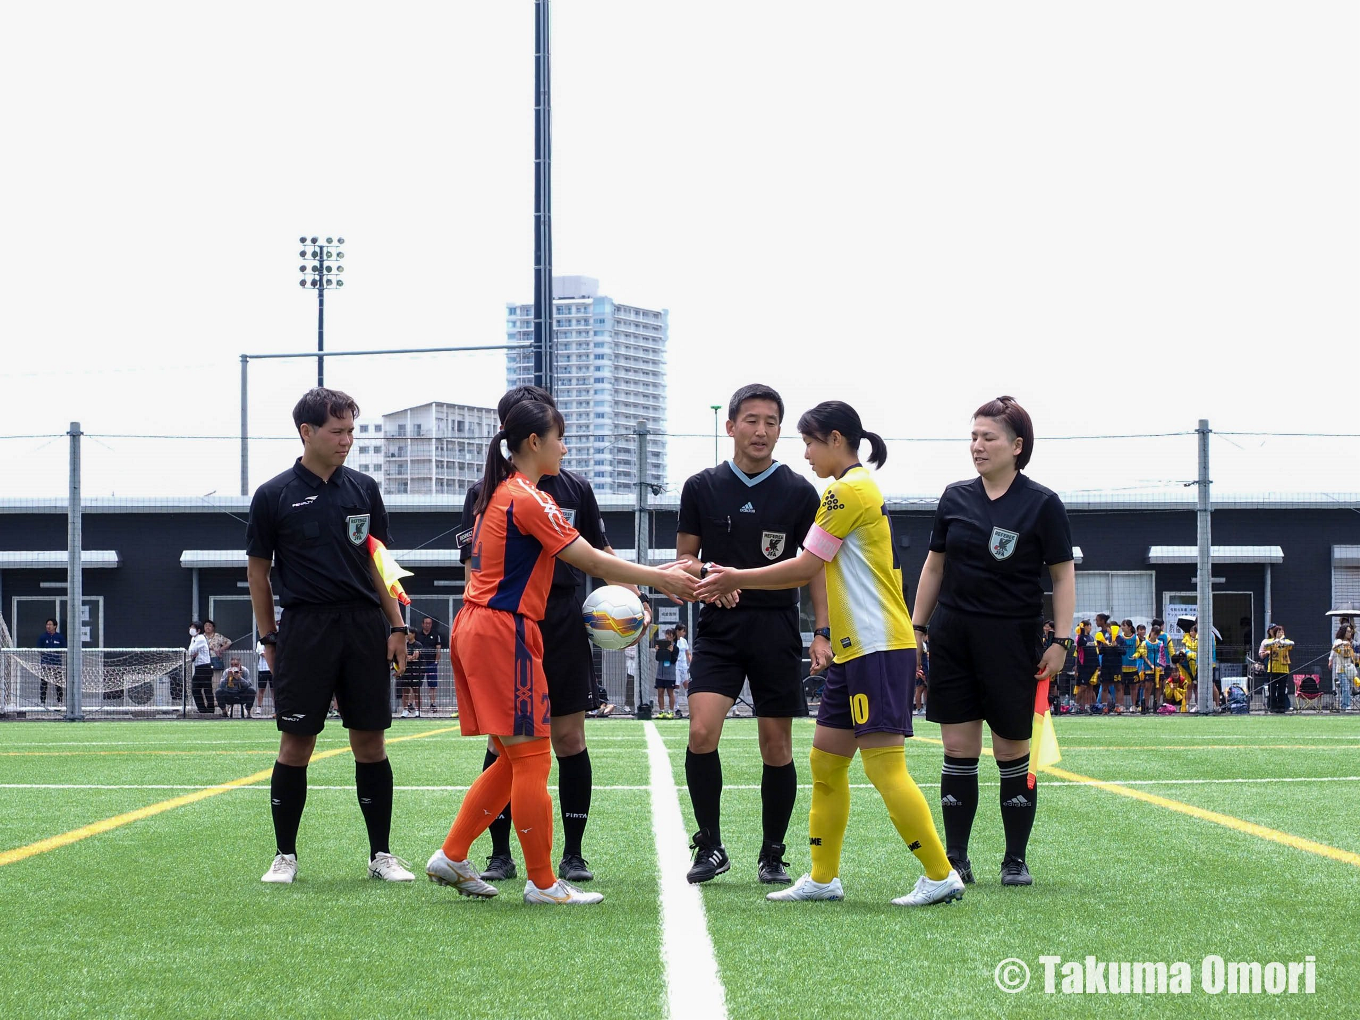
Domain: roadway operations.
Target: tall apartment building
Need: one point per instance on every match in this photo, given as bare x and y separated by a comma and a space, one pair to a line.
432, 450
610, 373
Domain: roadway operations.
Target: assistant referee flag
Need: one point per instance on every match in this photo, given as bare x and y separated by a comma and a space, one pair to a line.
1044, 741
389, 570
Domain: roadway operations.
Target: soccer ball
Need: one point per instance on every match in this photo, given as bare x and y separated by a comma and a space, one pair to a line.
613, 616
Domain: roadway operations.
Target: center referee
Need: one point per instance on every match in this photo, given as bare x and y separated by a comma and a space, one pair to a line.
748, 512
340, 626
980, 592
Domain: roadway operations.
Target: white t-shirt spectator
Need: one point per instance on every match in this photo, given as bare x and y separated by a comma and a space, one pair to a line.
262, 664
198, 650
682, 660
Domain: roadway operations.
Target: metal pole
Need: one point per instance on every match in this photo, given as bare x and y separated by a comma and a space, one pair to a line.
75, 594
543, 292
716, 409
1205, 596
321, 329
640, 547
245, 428
1269, 610
193, 613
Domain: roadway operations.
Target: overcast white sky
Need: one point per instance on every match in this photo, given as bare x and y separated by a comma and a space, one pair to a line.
911, 206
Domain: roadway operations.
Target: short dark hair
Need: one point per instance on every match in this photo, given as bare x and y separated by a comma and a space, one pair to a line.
320, 403
50, 620
196, 624
207, 621
518, 395
755, 391
1015, 420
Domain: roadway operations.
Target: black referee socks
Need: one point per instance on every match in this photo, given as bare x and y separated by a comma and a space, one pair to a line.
703, 776
287, 798
958, 803
373, 781
500, 825
1018, 804
778, 791
574, 781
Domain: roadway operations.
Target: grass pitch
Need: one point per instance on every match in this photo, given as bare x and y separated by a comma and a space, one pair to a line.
165, 916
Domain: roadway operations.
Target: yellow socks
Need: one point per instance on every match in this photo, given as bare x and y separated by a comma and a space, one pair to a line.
886, 768
830, 813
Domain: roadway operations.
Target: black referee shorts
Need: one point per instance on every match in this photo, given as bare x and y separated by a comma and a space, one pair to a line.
568, 662
982, 667
764, 646
332, 650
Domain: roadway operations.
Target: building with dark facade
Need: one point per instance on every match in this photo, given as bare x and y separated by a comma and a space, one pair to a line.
153, 564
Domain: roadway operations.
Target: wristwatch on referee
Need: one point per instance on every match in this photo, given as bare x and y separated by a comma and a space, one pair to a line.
822, 632
399, 630
1066, 642
270, 640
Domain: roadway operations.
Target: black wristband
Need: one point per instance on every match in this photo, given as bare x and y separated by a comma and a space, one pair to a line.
399, 630
270, 640
822, 632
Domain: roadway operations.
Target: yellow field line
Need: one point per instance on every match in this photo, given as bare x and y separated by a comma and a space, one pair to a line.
1189, 747
1227, 821
42, 846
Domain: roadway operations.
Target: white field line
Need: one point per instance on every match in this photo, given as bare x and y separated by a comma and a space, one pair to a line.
1047, 783
694, 987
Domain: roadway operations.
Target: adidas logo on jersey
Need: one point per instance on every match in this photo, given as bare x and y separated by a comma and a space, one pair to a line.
747, 509
1017, 801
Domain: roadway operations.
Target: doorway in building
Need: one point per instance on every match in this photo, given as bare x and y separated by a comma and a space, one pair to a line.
1237, 648
30, 614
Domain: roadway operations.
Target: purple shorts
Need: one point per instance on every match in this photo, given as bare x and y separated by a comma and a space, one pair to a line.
870, 694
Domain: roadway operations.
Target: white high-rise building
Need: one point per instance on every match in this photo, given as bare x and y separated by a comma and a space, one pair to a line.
432, 450
610, 373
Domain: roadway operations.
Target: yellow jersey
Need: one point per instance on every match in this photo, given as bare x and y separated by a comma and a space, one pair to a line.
863, 577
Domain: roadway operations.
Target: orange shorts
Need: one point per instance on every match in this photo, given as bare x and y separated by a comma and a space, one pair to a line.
498, 674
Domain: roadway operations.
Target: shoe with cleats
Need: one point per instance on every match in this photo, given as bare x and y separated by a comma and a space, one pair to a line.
282, 871
499, 867
561, 893
964, 867
806, 889
710, 859
1014, 872
575, 868
946, 890
461, 875
390, 868
770, 869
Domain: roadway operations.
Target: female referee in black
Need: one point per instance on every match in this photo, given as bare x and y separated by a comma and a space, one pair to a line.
981, 593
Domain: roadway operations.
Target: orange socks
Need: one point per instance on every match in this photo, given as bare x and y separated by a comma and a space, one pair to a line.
520, 776
531, 806
485, 799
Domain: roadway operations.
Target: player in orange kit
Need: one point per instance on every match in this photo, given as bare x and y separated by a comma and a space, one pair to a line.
497, 650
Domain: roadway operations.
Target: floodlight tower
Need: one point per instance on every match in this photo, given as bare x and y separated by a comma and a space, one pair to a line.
325, 273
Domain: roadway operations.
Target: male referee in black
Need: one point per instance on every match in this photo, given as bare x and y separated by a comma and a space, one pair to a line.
568, 663
749, 511
340, 626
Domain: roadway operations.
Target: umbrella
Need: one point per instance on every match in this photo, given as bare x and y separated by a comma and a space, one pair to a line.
1350, 611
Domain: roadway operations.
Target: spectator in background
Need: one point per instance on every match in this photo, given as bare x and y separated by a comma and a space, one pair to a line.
1111, 648
219, 645
49, 662
682, 655
1128, 666
1083, 694
630, 668
235, 689
200, 661
1159, 658
264, 679
408, 680
1342, 662
1143, 660
665, 674
427, 668
922, 670
1275, 653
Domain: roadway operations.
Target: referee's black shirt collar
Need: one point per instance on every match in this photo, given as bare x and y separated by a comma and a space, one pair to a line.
313, 479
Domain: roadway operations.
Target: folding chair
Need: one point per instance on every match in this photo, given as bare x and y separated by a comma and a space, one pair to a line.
1307, 690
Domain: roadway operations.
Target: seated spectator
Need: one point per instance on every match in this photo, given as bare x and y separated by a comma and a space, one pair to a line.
235, 689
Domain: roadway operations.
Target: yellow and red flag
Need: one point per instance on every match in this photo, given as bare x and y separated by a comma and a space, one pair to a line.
389, 570
1043, 744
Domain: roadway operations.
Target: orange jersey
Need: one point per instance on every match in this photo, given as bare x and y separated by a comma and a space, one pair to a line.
514, 547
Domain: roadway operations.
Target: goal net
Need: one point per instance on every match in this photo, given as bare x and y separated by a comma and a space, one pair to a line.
115, 682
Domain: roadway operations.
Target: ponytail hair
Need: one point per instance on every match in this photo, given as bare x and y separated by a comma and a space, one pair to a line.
838, 416
529, 418
1007, 412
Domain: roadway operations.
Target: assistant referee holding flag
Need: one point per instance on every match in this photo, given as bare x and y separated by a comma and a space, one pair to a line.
981, 594
340, 626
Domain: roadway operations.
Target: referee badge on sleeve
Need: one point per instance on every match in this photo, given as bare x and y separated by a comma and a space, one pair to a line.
772, 543
356, 529
1002, 543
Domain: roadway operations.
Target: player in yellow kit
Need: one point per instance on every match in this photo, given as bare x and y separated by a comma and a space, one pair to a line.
866, 702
